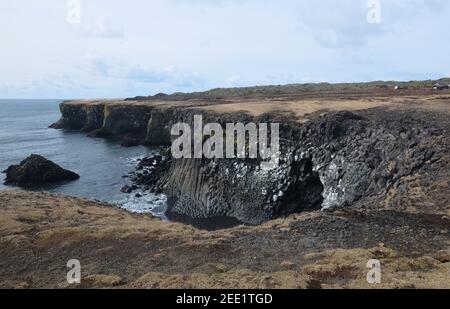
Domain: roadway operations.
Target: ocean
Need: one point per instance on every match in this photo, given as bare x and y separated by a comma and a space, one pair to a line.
101, 163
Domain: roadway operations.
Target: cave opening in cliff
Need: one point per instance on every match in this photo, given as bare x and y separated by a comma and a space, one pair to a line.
305, 193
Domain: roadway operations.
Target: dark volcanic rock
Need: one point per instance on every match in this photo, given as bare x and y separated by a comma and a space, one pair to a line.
152, 170
126, 189
36, 170
372, 157
334, 160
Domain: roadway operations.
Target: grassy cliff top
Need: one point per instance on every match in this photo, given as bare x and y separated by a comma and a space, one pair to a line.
287, 90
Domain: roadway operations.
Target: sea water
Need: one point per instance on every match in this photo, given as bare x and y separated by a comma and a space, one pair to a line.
101, 163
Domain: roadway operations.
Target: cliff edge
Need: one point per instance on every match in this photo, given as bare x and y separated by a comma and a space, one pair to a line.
372, 148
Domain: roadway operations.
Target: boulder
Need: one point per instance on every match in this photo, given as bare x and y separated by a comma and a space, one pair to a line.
126, 189
36, 170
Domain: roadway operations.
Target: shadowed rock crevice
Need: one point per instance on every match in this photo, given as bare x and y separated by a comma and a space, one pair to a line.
306, 193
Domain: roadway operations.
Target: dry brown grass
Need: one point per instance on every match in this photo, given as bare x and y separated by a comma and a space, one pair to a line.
300, 108
39, 232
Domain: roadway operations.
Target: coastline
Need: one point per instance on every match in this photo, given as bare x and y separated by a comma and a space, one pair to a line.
393, 149
344, 146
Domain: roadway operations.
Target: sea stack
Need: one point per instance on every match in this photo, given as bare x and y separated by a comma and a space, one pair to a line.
37, 170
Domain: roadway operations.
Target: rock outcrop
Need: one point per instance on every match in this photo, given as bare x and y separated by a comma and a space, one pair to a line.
36, 170
131, 124
334, 159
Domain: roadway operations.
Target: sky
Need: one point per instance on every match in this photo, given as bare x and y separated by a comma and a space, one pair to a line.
113, 49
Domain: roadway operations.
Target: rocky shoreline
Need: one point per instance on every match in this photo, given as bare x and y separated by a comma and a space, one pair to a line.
332, 154
361, 177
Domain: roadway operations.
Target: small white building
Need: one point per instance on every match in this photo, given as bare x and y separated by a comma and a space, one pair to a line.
398, 87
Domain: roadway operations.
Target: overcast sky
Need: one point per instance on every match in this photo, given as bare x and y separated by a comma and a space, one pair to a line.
141, 47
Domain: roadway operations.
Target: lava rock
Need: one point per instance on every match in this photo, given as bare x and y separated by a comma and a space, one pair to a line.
336, 159
36, 170
126, 189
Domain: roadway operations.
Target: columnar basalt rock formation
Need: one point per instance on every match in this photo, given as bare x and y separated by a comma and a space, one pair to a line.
368, 151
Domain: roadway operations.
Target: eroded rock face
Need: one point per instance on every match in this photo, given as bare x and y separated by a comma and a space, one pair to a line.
364, 155
241, 189
334, 160
80, 117
36, 170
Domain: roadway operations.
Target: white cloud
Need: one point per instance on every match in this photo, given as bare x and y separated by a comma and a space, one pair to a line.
125, 49
233, 80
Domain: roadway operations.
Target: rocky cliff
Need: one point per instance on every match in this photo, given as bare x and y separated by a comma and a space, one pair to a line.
371, 155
